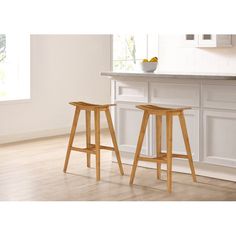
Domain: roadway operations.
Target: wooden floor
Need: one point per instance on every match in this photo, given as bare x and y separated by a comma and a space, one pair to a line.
32, 171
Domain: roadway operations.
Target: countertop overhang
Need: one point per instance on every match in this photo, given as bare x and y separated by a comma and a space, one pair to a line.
177, 75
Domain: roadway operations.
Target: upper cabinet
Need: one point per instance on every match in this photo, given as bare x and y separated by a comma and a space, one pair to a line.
208, 40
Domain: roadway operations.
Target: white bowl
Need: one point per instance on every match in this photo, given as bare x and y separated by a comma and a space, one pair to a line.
149, 66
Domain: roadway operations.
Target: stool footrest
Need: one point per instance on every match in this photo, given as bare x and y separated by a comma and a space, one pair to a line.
162, 158
153, 159
163, 154
92, 149
86, 150
103, 147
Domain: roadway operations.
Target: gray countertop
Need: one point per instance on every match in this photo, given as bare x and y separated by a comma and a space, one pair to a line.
177, 75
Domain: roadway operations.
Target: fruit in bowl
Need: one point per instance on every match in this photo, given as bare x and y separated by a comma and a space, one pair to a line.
149, 66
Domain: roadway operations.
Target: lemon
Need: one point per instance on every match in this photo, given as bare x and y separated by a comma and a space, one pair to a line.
154, 59
145, 60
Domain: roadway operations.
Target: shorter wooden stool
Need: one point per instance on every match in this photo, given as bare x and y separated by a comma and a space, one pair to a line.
160, 156
93, 148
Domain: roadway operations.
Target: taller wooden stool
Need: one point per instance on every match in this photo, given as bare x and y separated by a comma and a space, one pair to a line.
162, 157
93, 148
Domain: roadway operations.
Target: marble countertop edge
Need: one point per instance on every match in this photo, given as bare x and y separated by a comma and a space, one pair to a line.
171, 75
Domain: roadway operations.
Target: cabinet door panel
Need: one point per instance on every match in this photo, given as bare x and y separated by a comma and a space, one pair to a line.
192, 121
128, 125
220, 137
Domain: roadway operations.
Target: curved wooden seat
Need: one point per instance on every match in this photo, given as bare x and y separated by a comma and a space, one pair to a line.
90, 106
153, 109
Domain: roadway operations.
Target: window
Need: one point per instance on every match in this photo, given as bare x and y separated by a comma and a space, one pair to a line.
14, 67
130, 50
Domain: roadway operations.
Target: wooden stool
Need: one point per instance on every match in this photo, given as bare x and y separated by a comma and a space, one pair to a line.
160, 156
93, 148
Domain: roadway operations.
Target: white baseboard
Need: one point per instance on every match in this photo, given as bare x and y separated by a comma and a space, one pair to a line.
202, 169
42, 134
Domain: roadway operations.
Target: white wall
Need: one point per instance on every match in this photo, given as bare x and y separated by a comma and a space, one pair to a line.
176, 58
64, 68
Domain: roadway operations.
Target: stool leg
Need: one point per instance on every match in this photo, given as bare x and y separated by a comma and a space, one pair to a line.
71, 139
113, 136
97, 142
169, 123
158, 143
139, 145
187, 145
88, 136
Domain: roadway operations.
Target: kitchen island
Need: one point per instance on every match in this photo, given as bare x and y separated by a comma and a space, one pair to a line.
211, 122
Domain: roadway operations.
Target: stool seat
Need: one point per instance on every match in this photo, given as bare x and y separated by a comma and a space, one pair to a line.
153, 109
90, 106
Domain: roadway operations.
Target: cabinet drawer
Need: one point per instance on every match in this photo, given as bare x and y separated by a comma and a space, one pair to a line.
131, 91
219, 96
175, 94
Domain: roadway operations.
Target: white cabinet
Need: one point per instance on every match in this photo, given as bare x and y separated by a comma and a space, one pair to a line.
192, 121
128, 123
207, 40
219, 137
211, 123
